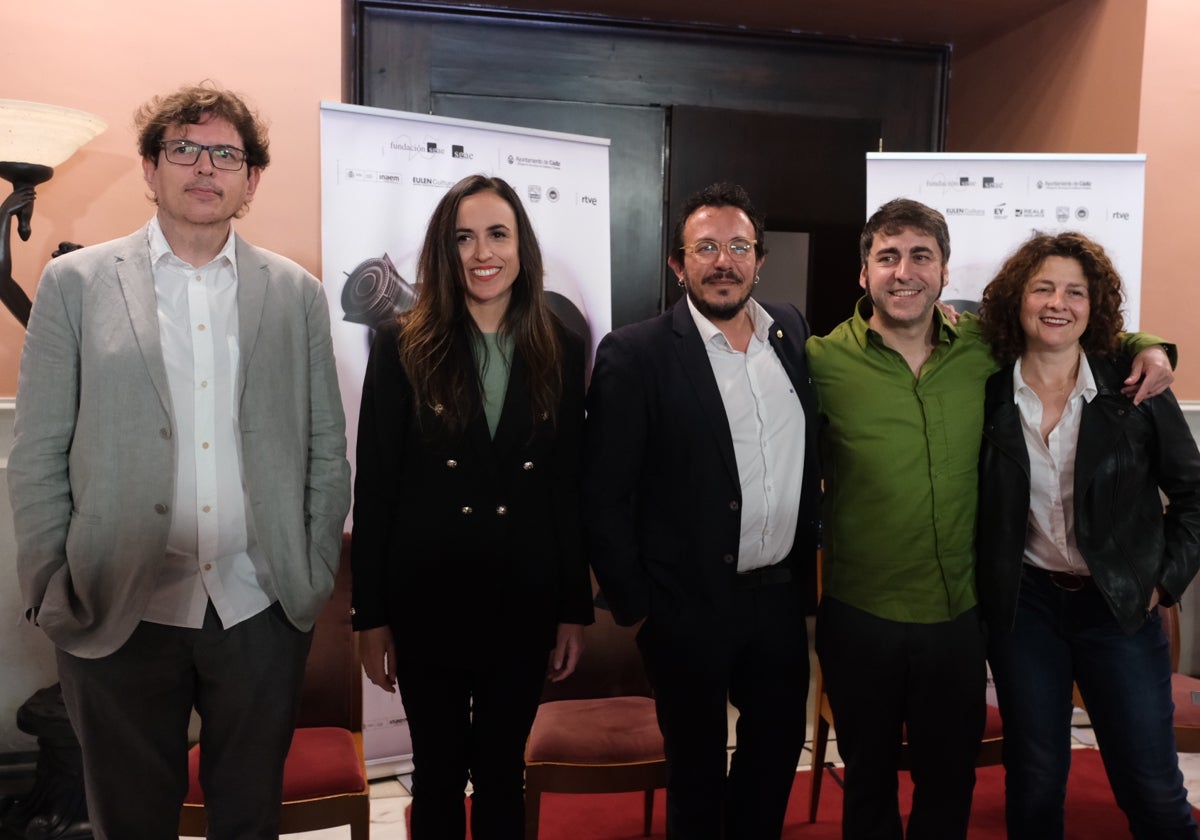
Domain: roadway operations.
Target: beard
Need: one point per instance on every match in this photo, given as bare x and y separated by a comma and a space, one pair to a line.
721, 310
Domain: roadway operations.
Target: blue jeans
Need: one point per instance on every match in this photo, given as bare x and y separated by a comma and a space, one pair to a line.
1125, 681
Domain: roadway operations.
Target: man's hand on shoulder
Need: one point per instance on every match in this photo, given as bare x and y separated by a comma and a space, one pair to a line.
1149, 376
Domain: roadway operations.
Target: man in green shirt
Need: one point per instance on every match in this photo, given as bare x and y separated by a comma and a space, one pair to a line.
899, 636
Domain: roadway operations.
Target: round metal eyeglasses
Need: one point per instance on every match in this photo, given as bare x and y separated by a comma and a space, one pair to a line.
707, 250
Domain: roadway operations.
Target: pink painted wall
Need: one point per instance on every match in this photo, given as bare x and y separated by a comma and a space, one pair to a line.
1168, 128
1105, 76
1068, 81
109, 57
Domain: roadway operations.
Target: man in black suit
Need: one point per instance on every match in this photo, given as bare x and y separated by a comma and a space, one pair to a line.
701, 504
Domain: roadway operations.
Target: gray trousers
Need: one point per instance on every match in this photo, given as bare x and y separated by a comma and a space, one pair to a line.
131, 709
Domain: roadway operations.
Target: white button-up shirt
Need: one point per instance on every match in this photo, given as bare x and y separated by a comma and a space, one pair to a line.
1050, 543
767, 423
211, 552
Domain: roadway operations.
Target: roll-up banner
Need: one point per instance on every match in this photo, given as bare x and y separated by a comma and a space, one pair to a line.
993, 202
382, 173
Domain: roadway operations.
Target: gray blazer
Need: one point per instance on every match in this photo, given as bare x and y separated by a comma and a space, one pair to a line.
92, 468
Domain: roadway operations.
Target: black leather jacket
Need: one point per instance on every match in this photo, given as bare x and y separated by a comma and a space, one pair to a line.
1124, 455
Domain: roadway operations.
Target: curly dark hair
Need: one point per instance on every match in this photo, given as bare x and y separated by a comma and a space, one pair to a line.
1000, 310
190, 104
722, 194
902, 213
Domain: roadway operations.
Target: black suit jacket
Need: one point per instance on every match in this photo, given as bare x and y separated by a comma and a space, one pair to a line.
662, 496
464, 544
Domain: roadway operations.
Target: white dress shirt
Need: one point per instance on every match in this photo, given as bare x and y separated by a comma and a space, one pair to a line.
211, 552
1050, 542
767, 423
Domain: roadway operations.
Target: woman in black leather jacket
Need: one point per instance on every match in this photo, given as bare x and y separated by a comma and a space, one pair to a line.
1074, 548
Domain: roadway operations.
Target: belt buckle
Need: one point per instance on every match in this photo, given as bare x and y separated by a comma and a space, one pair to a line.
1067, 581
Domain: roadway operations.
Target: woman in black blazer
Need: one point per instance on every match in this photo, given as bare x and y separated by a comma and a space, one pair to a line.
468, 566
1074, 548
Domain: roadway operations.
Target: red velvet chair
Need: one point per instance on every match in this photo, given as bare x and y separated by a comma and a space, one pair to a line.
596, 732
1185, 689
324, 779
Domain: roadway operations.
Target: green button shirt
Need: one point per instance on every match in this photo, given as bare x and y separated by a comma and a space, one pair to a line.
900, 458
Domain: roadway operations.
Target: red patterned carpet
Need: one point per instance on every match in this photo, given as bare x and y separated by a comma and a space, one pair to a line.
1091, 811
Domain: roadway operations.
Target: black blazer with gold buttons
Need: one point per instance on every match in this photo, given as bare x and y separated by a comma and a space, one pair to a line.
467, 544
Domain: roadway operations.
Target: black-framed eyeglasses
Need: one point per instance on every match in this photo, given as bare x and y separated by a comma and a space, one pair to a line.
187, 152
707, 250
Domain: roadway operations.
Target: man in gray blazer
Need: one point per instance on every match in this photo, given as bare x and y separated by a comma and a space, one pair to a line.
179, 484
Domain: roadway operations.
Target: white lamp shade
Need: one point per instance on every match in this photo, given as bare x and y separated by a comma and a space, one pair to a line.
31, 132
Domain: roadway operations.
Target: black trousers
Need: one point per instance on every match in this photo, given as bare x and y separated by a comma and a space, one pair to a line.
130, 711
470, 721
885, 679
754, 656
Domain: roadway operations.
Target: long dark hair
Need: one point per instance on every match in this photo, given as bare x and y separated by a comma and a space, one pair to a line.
439, 335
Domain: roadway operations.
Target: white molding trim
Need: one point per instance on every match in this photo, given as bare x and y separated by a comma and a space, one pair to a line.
8, 407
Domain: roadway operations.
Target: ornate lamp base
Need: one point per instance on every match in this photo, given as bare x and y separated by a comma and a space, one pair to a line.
56, 808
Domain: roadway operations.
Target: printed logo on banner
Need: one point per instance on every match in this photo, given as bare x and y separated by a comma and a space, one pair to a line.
949, 182
1121, 215
535, 193
590, 200
1029, 213
990, 183
963, 211
552, 194
1080, 184
538, 162
416, 148
1081, 213
426, 181
1000, 211
1062, 214
352, 174
461, 153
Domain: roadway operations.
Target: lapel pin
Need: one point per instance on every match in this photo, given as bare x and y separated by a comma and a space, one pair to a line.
779, 333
